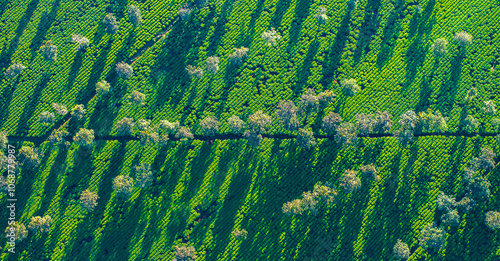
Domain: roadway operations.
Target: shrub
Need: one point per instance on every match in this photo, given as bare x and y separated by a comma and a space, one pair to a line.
134, 15
111, 24
287, 113
88, 200
49, 51
81, 41
236, 125
471, 94
309, 202
123, 70
136, 98
382, 123
346, 134
259, 122
492, 219
30, 157
252, 137
240, 234
200, 3
102, 87
123, 186
321, 16
194, 72
349, 87
56, 138
489, 108
84, 137
209, 125
364, 123
60, 109
350, 182
143, 175
496, 124
183, 253
439, 47
78, 112
369, 172
465, 205
401, 250
19, 230
143, 124
305, 138
463, 39
445, 202
14, 70
331, 122
125, 126
486, 160
212, 64
40, 224
325, 192
451, 218
47, 118
238, 55
271, 37
432, 237
184, 133
431, 122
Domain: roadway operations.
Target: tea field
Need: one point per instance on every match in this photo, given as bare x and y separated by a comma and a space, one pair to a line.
205, 188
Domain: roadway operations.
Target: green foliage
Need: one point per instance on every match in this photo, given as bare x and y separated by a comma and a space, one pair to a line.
492, 219
124, 70
88, 200
382, 122
486, 160
134, 15
489, 108
102, 87
305, 138
123, 186
185, 12
445, 202
81, 41
78, 112
84, 137
143, 124
209, 125
287, 113
169, 127
321, 16
331, 122
471, 94
40, 224
293, 207
401, 250
369, 172
465, 205
432, 237
137, 98
49, 51
349, 87
3, 140
56, 138
259, 122
60, 109
451, 218
469, 124
325, 98
236, 125
349, 182
14, 70
479, 187
308, 103
431, 122
149, 137
111, 24
19, 229
364, 123
439, 47
30, 157
325, 192
184, 133
254, 138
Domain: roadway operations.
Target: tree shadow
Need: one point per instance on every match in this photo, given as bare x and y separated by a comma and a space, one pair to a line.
390, 34
332, 60
6, 54
43, 26
220, 27
415, 57
6, 98
247, 40
117, 7
75, 68
448, 92
30, 107
230, 75
50, 187
425, 92
303, 73
368, 29
301, 13
281, 8
103, 116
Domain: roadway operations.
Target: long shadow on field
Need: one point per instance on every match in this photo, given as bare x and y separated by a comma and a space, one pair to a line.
220, 27
103, 116
301, 13
233, 200
73, 71
251, 26
230, 75
281, 8
332, 60
415, 57
51, 183
456, 151
43, 27
117, 7
31, 105
448, 92
368, 29
305, 69
390, 34
23, 22
6, 98
425, 92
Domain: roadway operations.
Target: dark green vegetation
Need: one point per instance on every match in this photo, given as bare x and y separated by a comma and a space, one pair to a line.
135, 79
